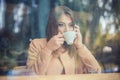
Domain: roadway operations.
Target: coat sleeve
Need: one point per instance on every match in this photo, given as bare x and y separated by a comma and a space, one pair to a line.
90, 63
38, 57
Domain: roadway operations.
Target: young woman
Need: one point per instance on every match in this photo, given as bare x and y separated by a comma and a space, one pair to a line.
52, 55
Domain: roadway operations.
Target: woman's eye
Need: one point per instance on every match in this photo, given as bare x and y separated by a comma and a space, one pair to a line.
61, 25
71, 25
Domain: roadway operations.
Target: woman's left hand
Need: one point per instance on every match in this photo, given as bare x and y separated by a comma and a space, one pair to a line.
78, 40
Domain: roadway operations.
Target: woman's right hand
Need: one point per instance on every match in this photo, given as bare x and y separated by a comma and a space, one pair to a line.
55, 42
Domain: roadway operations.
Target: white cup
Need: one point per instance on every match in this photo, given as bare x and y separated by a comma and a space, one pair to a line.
69, 37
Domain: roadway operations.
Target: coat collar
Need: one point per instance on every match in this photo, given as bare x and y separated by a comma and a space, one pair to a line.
68, 63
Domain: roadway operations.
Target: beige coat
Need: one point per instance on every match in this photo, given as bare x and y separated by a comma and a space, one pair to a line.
42, 62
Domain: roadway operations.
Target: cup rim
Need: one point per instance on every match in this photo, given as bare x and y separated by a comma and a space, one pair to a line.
69, 31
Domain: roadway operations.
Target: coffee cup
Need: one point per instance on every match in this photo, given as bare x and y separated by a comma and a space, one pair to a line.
69, 37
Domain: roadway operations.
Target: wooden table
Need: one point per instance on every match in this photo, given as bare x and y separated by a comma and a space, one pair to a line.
102, 76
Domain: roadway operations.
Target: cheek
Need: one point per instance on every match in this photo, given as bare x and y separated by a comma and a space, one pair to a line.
61, 29
71, 28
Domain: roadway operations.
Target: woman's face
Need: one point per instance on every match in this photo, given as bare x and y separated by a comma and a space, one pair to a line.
65, 23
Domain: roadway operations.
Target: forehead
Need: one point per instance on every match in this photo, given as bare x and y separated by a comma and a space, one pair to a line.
64, 18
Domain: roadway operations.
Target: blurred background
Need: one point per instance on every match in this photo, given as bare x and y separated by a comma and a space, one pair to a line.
23, 20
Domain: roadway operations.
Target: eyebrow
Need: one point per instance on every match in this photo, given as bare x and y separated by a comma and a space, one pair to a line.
64, 23
60, 23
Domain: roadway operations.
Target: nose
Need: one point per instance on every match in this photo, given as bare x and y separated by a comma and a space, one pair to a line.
66, 28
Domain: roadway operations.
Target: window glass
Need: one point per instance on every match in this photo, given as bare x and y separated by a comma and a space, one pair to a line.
24, 20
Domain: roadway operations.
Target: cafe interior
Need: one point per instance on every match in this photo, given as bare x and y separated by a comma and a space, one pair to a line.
24, 20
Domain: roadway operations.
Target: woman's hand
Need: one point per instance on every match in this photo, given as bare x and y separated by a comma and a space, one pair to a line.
78, 40
55, 42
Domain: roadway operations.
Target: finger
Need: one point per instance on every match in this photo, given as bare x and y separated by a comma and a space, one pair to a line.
76, 26
76, 30
62, 39
61, 42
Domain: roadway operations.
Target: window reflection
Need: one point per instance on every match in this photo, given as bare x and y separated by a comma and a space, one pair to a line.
22, 20
2, 14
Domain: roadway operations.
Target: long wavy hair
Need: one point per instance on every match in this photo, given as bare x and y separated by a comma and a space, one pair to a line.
52, 26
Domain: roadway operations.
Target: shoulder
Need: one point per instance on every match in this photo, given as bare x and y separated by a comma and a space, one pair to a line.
40, 42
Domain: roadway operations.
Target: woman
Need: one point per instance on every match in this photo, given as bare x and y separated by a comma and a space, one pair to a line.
51, 55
